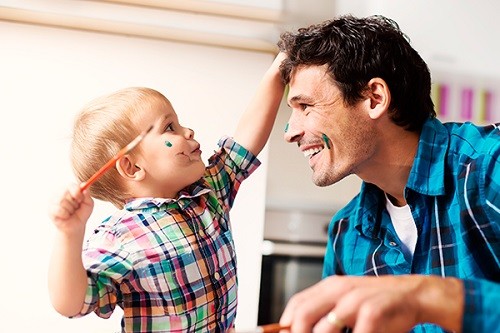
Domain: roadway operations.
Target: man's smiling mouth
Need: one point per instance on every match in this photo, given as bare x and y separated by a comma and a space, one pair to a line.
311, 152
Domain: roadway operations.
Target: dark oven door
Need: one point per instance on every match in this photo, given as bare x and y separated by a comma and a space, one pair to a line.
287, 268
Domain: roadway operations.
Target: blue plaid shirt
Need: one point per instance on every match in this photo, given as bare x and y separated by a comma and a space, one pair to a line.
454, 194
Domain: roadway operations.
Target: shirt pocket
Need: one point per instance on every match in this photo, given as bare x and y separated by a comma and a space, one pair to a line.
177, 283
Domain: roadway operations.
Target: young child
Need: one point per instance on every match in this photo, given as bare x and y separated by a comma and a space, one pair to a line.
167, 256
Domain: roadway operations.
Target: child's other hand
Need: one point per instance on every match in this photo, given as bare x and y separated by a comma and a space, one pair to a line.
71, 210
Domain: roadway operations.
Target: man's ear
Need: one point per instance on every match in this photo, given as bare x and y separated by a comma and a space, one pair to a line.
379, 96
128, 169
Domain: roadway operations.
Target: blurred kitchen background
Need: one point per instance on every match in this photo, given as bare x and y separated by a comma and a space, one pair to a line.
207, 57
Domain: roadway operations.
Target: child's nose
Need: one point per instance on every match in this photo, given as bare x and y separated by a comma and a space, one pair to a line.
189, 133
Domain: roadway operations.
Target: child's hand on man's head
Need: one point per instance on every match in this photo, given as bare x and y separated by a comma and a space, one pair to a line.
71, 210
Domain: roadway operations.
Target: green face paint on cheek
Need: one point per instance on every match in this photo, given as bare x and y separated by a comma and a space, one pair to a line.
286, 127
327, 141
168, 143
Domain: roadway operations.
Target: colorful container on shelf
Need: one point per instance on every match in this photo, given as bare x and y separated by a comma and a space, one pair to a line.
466, 98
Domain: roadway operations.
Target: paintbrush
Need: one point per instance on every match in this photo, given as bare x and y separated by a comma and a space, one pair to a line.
125, 150
269, 328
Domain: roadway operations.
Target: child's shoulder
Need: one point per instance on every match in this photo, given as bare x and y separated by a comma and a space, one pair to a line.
116, 221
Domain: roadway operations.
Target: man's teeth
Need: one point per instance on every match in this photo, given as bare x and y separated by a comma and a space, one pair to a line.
312, 151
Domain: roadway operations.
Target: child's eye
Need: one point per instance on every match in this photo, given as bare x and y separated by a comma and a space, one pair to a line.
169, 128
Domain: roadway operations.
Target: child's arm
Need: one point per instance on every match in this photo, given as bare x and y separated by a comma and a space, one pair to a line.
257, 122
67, 275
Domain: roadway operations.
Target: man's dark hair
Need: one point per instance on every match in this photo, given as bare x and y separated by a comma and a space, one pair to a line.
355, 50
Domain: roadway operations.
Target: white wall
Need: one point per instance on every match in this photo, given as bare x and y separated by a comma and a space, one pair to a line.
451, 35
46, 76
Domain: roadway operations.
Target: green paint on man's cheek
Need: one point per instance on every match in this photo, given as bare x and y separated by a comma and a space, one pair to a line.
327, 141
168, 143
286, 127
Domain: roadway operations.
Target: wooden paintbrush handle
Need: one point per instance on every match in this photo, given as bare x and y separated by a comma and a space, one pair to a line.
272, 328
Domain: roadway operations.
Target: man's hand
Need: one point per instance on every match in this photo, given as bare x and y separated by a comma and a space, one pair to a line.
376, 304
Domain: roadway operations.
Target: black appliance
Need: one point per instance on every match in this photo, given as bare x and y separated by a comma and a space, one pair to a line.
292, 257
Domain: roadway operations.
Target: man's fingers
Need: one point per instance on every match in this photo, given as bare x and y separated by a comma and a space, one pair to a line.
306, 308
345, 313
330, 323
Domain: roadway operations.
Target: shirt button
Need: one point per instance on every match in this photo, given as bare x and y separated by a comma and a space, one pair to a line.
392, 243
216, 275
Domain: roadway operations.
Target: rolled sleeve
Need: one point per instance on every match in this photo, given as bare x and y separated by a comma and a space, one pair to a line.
107, 265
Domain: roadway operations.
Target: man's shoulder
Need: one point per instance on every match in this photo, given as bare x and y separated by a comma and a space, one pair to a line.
473, 139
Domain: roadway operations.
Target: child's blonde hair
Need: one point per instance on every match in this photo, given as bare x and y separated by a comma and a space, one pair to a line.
101, 129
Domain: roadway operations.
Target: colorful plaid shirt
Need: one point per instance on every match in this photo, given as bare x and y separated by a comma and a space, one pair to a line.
170, 264
454, 194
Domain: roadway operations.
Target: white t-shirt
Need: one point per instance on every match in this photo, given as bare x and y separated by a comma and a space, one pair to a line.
404, 224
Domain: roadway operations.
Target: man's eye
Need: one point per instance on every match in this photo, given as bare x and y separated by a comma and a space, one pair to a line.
169, 128
304, 106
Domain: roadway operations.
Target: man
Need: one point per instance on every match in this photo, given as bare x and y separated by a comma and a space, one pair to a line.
423, 231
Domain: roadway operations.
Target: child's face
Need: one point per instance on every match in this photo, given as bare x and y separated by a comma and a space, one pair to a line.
169, 155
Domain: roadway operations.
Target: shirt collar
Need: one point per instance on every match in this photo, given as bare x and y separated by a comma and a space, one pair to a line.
426, 177
427, 173
367, 211
183, 200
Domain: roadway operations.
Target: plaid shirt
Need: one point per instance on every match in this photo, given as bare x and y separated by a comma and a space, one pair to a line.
454, 194
170, 263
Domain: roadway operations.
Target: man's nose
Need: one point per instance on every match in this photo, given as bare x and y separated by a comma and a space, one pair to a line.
293, 129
